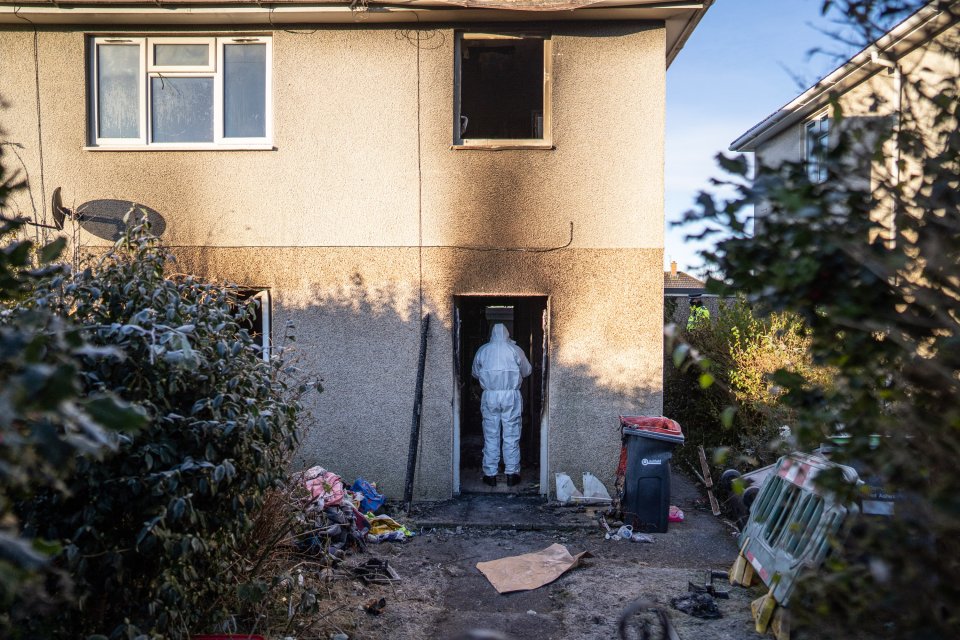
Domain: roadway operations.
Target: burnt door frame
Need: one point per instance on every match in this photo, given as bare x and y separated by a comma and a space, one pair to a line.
538, 399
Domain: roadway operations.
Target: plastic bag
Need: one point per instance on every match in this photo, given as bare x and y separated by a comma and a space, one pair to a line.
566, 490
593, 489
372, 499
676, 514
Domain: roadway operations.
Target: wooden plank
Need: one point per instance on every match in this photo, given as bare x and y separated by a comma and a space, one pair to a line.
708, 481
706, 469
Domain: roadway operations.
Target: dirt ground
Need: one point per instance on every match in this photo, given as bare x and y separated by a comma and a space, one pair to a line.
442, 594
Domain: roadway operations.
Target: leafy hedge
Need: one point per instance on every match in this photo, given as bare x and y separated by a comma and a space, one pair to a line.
150, 534
45, 421
728, 403
881, 297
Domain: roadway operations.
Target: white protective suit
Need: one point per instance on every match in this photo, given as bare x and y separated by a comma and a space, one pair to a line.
500, 366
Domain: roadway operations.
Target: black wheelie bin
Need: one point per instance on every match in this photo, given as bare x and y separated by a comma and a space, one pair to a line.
649, 443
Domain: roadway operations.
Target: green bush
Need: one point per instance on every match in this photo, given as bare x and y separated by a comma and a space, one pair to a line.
728, 403
150, 534
46, 419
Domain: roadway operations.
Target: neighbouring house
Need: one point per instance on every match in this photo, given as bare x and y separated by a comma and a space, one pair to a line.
876, 89
679, 288
359, 165
680, 284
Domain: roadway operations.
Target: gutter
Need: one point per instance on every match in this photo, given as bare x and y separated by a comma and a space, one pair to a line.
899, 41
679, 17
687, 30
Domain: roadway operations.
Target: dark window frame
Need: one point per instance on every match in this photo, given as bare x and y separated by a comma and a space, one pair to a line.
546, 142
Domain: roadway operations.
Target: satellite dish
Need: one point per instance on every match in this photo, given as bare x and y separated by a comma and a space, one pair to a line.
106, 219
60, 213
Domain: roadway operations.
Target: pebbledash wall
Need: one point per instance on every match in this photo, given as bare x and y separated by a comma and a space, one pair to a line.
361, 177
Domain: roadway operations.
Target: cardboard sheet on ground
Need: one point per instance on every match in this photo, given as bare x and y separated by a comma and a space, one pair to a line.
530, 570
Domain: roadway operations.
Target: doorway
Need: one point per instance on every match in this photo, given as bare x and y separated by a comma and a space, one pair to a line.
526, 319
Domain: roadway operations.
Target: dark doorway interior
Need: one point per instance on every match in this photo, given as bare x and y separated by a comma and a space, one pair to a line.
525, 318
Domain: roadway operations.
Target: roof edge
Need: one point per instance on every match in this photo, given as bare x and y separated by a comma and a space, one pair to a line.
687, 30
678, 17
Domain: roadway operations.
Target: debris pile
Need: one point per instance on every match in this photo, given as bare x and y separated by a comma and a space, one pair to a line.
698, 605
334, 520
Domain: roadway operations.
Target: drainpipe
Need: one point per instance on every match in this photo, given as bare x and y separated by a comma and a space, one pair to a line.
898, 108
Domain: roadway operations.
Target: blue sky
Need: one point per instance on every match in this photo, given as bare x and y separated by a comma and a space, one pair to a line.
745, 60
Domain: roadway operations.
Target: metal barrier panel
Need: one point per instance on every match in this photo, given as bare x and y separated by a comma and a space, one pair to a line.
791, 522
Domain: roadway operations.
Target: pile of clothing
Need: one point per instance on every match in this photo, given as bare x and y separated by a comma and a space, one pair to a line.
335, 519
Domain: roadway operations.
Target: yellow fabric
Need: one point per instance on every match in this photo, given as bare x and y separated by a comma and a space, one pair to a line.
699, 316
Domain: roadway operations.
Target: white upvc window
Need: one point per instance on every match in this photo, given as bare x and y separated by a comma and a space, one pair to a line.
261, 329
181, 92
817, 143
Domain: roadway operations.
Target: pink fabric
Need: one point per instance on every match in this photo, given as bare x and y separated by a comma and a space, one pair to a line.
324, 486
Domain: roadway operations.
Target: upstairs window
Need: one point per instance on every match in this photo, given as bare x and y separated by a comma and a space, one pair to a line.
502, 90
169, 92
817, 135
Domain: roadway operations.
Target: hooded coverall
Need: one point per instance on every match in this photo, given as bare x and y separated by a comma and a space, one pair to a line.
500, 366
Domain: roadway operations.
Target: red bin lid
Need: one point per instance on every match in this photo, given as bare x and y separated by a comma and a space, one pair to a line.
656, 426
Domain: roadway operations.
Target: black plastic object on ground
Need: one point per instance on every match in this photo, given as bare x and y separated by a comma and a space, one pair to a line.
698, 605
646, 490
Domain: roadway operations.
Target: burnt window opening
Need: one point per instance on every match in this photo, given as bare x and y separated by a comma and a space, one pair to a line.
257, 320
503, 88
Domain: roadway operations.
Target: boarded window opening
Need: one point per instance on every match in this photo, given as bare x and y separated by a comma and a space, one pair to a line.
503, 88
257, 322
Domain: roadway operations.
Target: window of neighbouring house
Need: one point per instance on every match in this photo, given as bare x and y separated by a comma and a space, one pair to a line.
502, 95
176, 92
817, 135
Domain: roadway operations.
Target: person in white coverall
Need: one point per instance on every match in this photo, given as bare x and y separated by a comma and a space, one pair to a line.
500, 366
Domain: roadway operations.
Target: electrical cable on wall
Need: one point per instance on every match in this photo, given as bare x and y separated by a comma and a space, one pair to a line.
13, 146
419, 180
462, 247
276, 28
36, 77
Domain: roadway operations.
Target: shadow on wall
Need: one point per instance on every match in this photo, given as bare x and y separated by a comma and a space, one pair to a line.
105, 219
363, 339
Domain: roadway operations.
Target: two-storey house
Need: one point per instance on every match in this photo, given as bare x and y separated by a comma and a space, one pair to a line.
891, 83
362, 164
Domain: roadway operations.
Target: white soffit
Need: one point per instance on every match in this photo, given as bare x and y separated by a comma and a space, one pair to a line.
680, 18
